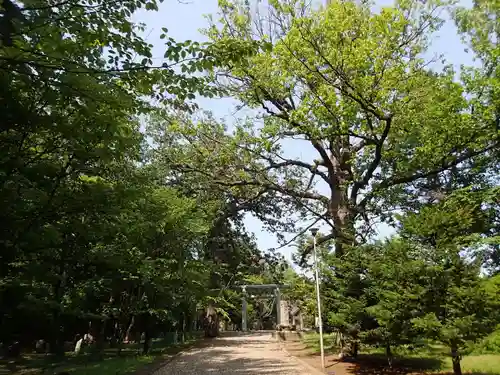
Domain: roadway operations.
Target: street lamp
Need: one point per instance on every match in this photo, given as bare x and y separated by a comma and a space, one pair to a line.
314, 231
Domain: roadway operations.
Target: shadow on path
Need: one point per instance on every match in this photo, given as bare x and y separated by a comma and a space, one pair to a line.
251, 354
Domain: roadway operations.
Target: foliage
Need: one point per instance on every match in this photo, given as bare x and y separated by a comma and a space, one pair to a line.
424, 285
489, 345
457, 307
117, 232
301, 292
200, 151
93, 51
94, 241
353, 85
395, 274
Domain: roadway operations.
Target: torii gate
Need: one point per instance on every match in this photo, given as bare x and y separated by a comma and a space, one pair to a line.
277, 294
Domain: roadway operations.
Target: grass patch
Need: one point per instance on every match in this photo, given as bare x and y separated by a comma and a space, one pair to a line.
108, 366
311, 341
483, 364
110, 363
431, 357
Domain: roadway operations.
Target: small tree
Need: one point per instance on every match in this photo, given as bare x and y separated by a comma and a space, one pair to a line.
393, 275
458, 307
346, 295
459, 310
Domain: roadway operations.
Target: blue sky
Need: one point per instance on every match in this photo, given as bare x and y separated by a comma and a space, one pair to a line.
185, 18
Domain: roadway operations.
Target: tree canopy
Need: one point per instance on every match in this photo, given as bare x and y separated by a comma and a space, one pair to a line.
357, 87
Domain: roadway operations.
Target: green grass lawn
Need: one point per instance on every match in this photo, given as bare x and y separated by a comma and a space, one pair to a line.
85, 363
484, 364
432, 357
108, 366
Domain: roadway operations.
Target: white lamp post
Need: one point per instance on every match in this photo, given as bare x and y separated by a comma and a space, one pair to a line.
314, 231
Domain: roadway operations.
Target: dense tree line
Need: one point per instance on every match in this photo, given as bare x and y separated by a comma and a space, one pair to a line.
100, 236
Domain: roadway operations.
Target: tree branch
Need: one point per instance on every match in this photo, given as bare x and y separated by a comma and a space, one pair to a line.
416, 176
373, 165
298, 235
319, 241
312, 168
270, 185
356, 96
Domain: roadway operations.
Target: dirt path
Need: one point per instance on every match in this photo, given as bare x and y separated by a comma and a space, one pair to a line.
252, 354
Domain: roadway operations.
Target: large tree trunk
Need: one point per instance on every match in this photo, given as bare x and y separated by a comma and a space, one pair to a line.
57, 332
56, 342
182, 328
189, 324
100, 340
344, 226
340, 210
355, 349
117, 334
455, 358
147, 341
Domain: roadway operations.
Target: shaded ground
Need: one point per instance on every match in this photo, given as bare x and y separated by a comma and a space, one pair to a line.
251, 354
376, 364
364, 365
129, 362
309, 356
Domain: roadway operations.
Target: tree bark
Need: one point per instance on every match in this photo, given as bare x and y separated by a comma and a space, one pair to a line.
57, 334
355, 349
189, 324
182, 327
388, 353
129, 329
100, 339
147, 341
147, 335
117, 334
340, 210
211, 322
56, 344
455, 358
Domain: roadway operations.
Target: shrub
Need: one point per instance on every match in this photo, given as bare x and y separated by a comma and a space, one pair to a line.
489, 345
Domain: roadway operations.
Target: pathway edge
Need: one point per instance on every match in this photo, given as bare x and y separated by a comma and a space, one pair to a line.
313, 370
162, 362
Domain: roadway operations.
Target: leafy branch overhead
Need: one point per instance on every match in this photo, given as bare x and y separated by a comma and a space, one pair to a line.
64, 43
94, 231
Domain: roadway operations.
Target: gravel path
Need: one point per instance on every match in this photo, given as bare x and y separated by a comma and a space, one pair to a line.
252, 354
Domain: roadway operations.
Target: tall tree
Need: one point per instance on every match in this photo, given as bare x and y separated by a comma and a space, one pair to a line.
353, 85
456, 307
